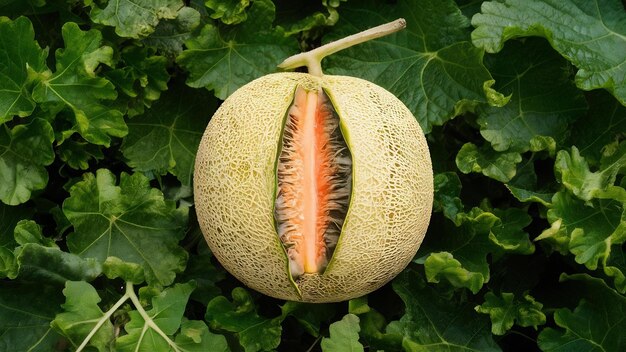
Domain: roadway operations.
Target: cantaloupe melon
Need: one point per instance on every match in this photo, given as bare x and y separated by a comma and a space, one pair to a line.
313, 188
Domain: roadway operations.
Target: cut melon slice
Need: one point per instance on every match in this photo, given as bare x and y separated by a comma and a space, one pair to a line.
314, 182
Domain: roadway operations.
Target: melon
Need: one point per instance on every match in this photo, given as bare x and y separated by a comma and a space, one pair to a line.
312, 187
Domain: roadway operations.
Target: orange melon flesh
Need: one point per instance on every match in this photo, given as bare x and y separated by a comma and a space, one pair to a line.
313, 174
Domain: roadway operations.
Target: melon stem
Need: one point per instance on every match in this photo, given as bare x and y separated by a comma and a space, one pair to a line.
313, 59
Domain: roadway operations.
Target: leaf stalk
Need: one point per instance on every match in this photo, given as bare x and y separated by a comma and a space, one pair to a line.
313, 59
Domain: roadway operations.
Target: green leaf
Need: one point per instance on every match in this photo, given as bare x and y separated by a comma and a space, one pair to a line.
76, 86
596, 324
51, 265
114, 267
524, 186
24, 151
166, 137
195, 337
145, 333
135, 18
26, 311
8, 264
459, 254
431, 65
509, 233
201, 270
229, 12
78, 154
447, 191
589, 231
22, 60
131, 221
615, 267
224, 59
432, 322
169, 35
28, 231
10, 216
310, 316
497, 165
344, 335
254, 332
543, 98
600, 26
575, 174
505, 310
605, 121
81, 315
143, 76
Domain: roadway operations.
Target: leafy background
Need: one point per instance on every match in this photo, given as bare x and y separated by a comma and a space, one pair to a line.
103, 103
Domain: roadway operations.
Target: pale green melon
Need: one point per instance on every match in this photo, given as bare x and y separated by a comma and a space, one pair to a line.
390, 205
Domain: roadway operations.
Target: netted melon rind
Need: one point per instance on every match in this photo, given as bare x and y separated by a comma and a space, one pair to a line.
391, 202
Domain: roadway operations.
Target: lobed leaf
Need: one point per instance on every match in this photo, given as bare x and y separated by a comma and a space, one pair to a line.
25, 150
431, 65
434, 323
500, 166
344, 335
596, 324
135, 18
591, 45
22, 60
224, 59
505, 310
131, 221
166, 137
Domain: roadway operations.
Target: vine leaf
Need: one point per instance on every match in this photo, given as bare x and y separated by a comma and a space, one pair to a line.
135, 18
224, 59
22, 60
596, 324
600, 24
505, 310
166, 137
75, 86
431, 65
435, 323
131, 221
25, 150
344, 335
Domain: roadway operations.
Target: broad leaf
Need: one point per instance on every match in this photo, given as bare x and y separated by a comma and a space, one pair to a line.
78, 154
21, 59
587, 231
131, 221
500, 166
543, 98
447, 191
166, 137
434, 323
135, 18
76, 86
605, 121
509, 233
9, 218
114, 267
344, 335
254, 332
224, 59
170, 35
166, 316
590, 45
505, 310
596, 324
228, 11
81, 315
459, 254
25, 317
24, 151
195, 336
431, 65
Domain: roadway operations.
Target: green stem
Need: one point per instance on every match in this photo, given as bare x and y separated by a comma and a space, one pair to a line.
313, 59
104, 319
148, 319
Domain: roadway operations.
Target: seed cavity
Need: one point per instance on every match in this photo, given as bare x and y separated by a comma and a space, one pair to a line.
314, 179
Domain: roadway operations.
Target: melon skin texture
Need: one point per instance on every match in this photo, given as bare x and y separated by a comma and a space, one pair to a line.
390, 205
